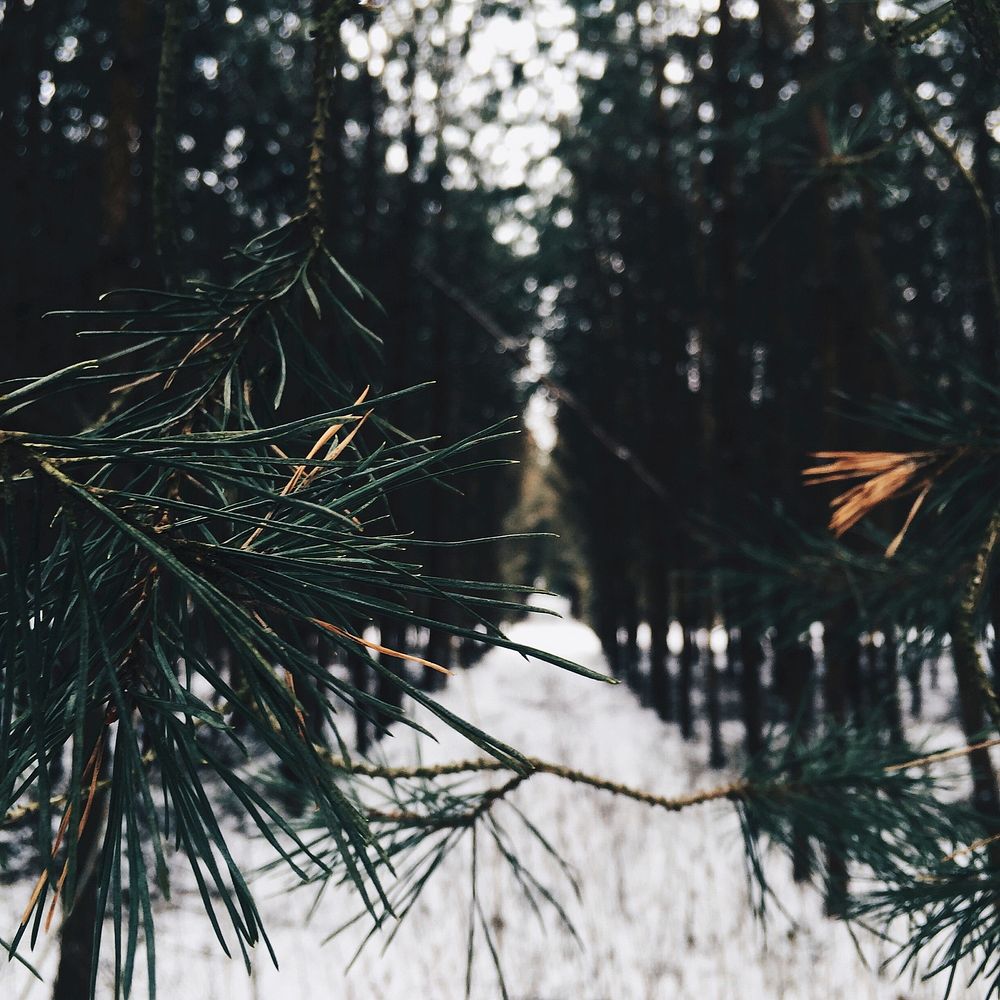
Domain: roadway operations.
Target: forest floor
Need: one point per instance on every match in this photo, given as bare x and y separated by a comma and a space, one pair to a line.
663, 910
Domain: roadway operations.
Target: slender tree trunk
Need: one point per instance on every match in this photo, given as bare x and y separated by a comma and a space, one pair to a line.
630, 647
660, 692
794, 668
392, 636
713, 710
443, 411
887, 667
915, 678
359, 671
123, 137
76, 937
607, 629
751, 695
686, 661
839, 647
440, 650
985, 790
370, 109
854, 683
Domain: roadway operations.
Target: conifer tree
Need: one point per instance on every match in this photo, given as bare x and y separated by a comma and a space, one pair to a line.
229, 523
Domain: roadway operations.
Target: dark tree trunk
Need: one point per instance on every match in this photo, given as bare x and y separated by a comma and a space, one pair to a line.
439, 651
793, 670
887, 673
607, 631
660, 693
358, 671
915, 679
751, 695
685, 675
392, 636
630, 646
76, 937
839, 648
854, 683
713, 709
985, 790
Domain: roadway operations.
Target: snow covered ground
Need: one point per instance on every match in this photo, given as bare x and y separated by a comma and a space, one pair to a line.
663, 911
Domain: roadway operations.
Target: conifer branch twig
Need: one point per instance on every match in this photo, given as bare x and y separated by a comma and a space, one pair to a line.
731, 791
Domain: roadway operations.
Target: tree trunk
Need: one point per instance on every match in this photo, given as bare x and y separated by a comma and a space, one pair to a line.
713, 708
660, 693
358, 671
793, 674
392, 636
630, 647
751, 695
914, 677
985, 791
839, 647
76, 937
887, 673
686, 661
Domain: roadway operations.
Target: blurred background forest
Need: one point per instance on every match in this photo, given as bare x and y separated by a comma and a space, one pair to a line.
688, 241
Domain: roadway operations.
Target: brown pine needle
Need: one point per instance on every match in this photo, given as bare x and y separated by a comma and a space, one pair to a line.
299, 716
91, 797
886, 475
897, 541
855, 464
332, 430
203, 342
129, 386
92, 768
969, 848
380, 649
300, 470
336, 451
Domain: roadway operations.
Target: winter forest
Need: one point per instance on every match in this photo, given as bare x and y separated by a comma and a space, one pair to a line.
499, 500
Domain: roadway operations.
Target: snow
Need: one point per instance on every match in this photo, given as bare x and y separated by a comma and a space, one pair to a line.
663, 911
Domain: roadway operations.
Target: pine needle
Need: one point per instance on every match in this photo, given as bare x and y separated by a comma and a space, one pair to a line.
886, 475
344, 634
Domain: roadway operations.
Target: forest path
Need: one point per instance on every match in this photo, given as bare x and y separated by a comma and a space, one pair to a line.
663, 911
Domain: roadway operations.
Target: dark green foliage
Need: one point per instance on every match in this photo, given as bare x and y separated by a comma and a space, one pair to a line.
847, 788
192, 519
950, 910
425, 816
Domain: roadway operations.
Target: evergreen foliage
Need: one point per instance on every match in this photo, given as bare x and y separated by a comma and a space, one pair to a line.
228, 520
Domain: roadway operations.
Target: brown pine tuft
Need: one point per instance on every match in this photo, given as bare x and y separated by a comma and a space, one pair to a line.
886, 475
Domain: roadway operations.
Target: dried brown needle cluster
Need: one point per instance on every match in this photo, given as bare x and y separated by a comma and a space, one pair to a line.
884, 475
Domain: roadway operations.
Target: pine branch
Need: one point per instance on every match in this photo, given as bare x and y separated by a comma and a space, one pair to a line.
969, 664
731, 791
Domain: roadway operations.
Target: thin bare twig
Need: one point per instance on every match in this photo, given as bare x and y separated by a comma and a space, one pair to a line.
731, 791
